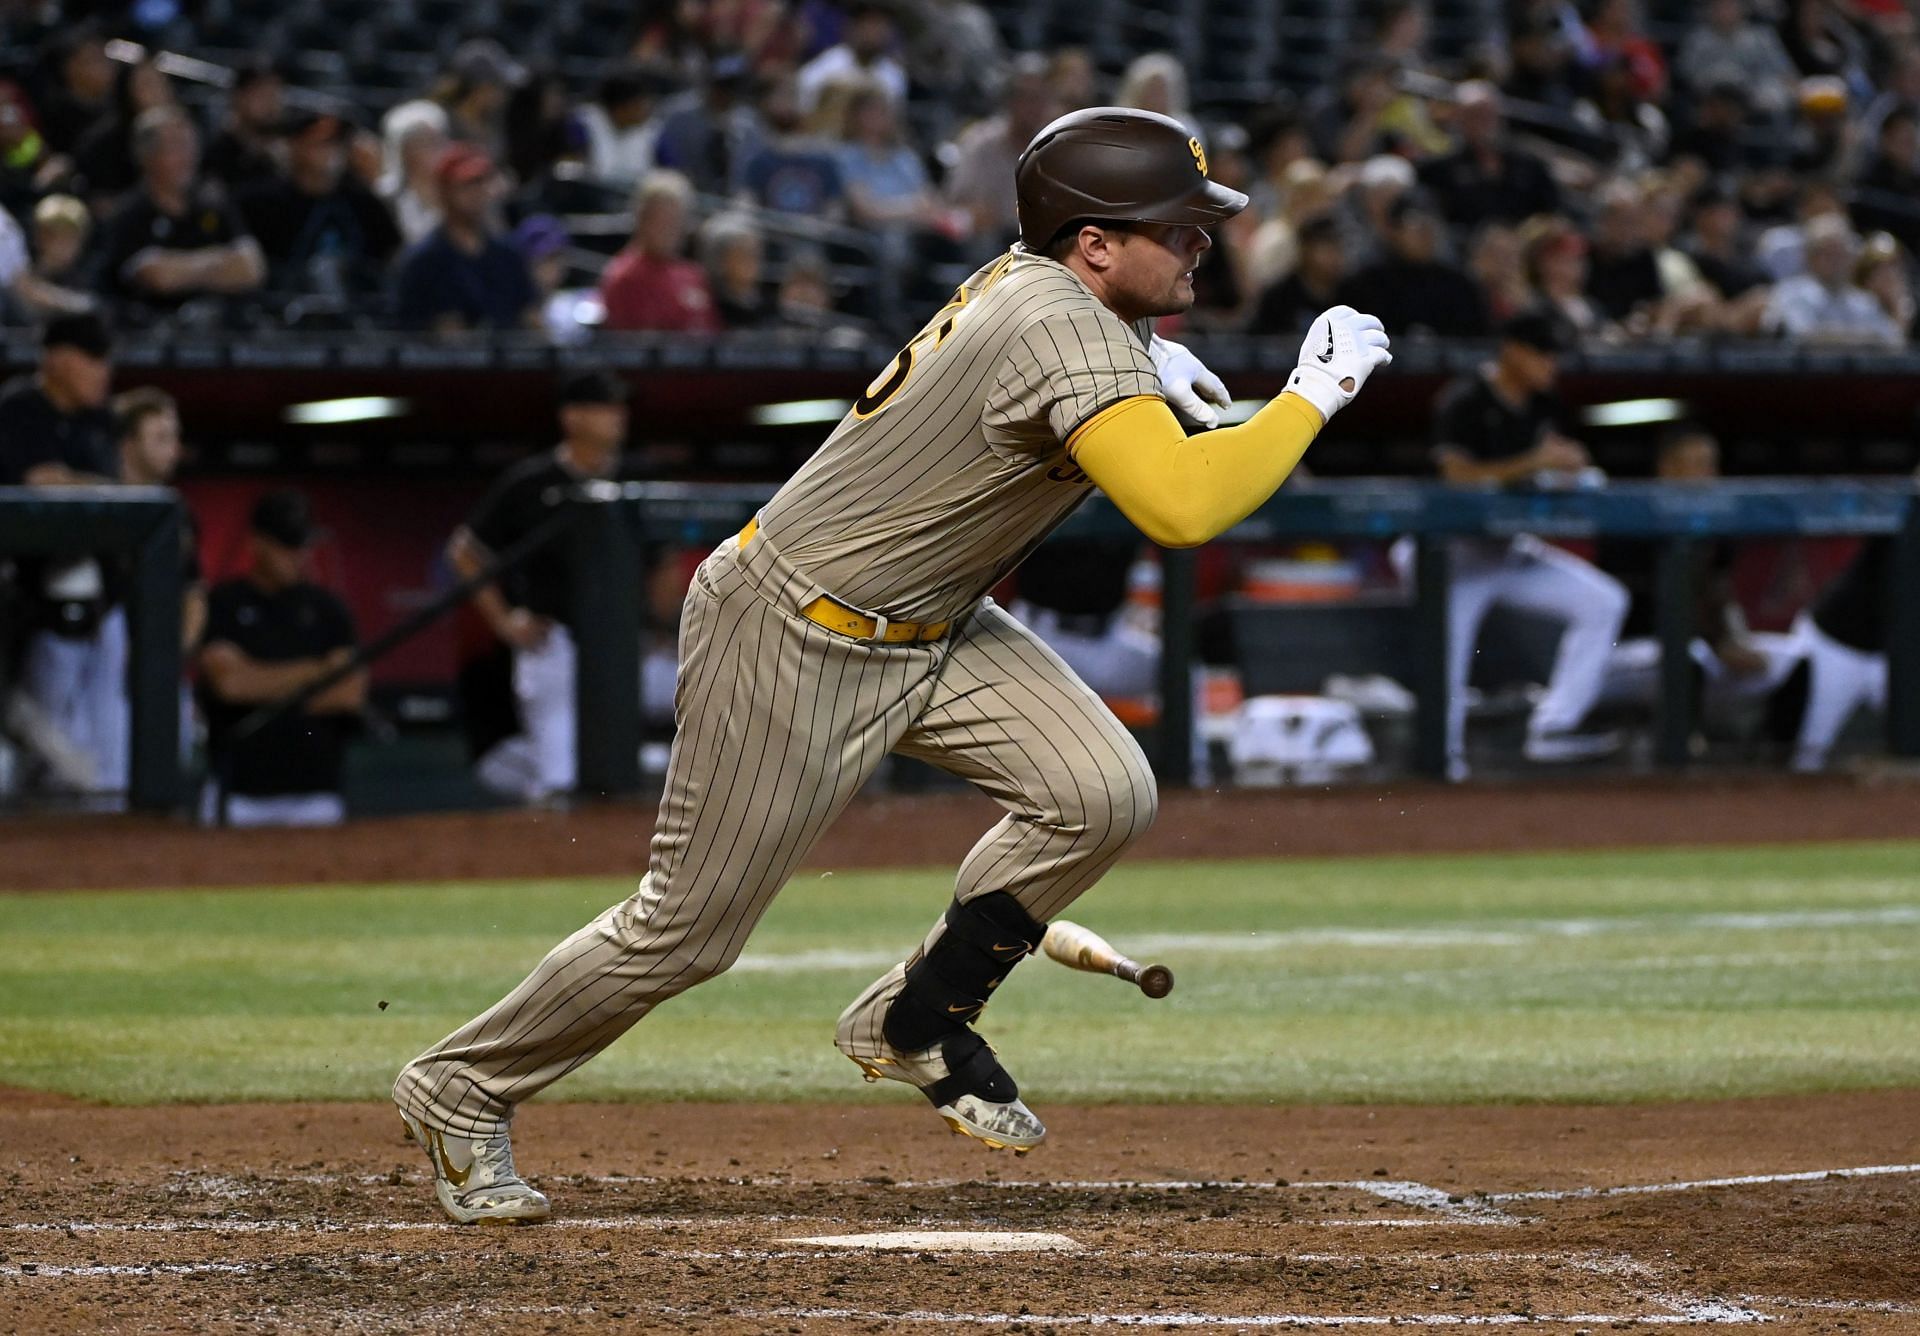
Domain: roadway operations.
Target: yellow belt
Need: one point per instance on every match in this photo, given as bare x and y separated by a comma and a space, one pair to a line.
853, 623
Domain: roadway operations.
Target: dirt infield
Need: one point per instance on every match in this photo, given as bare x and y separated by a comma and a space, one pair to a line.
611, 839
684, 1217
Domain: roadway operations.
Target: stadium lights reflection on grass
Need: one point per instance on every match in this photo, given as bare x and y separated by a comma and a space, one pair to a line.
1633, 412
327, 412
799, 412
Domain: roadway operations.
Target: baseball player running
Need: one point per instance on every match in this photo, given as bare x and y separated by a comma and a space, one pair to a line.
848, 620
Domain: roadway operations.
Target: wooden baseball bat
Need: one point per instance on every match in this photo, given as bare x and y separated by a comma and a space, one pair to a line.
1083, 949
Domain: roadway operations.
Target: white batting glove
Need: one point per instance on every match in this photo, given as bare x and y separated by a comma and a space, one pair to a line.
1342, 349
1192, 390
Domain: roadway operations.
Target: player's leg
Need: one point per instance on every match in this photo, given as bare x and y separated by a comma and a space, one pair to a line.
543, 683
1473, 586
53, 674
780, 723
1011, 717
1545, 579
1840, 680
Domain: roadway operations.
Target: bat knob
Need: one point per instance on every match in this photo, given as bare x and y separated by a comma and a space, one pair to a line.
1156, 981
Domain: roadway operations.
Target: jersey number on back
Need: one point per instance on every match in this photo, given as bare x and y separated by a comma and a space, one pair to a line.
891, 381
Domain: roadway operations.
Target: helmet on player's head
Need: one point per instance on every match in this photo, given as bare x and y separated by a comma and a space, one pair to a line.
1120, 164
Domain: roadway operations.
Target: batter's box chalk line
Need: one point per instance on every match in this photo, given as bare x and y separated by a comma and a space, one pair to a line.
1700, 1315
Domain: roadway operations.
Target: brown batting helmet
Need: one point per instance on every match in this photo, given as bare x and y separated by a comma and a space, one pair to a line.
1120, 164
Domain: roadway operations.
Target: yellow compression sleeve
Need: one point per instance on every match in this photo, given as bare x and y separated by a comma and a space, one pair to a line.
1183, 490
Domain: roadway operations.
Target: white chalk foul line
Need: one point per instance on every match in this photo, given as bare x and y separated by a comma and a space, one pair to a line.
314, 1227
1739, 1181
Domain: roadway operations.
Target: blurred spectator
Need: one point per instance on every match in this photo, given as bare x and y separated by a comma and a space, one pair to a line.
569, 315
1823, 305
1902, 90
531, 606
1820, 40
1616, 110
887, 184
105, 160
620, 128
323, 232
1623, 275
1502, 426
1157, 81
1728, 48
955, 56
1074, 78
709, 135
474, 90
796, 170
61, 229
1413, 290
1277, 141
1345, 119
27, 165
1381, 183
539, 129
176, 238
1886, 196
1719, 250
1495, 265
980, 180
734, 256
648, 285
1223, 293
1540, 64
1716, 133
805, 300
1290, 305
866, 54
1554, 256
1781, 249
464, 276
415, 137
55, 431
1612, 38
1821, 143
30, 294
1885, 270
1306, 192
272, 633
1486, 177
243, 152
79, 85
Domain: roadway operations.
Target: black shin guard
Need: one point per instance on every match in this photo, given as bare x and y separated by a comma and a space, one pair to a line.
946, 987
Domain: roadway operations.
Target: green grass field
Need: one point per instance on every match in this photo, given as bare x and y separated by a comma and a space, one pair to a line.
1643, 975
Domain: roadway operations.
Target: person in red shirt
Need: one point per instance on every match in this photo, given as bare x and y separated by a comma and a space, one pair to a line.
649, 285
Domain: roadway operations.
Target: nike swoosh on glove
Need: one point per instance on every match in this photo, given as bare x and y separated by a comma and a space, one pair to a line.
1192, 391
1342, 349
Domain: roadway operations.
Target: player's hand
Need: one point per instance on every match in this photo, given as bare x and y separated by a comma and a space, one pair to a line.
524, 630
1742, 659
1192, 391
1560, 454
1342, 349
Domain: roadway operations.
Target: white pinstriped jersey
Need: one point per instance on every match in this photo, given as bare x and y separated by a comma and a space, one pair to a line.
952, 466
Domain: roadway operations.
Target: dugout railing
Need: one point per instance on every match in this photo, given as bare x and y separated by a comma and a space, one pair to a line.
608, 524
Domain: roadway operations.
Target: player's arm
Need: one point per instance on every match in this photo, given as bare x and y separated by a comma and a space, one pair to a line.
240, 679
1183, 490
468, 556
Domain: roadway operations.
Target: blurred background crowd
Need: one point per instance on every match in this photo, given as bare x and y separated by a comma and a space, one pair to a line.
1666, 169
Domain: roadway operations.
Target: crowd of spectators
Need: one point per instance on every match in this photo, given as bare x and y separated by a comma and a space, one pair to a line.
1751, 171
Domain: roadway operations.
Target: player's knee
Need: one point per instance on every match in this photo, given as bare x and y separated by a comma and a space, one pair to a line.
1116, 802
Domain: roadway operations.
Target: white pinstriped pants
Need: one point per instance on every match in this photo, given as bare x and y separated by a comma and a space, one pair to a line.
780, 723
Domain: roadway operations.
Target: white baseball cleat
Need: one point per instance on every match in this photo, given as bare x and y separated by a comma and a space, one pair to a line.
474, 1178
1006, 1124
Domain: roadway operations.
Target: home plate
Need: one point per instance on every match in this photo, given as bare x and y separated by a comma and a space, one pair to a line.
946, 1240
